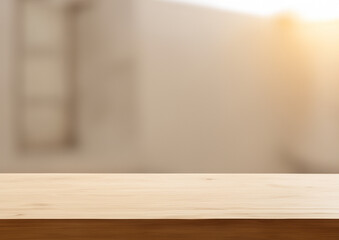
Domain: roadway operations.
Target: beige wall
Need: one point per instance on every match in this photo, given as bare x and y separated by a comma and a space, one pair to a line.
105, 96
205, 96
6, 61
164, 87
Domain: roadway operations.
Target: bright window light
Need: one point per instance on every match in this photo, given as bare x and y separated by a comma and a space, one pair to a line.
313, 10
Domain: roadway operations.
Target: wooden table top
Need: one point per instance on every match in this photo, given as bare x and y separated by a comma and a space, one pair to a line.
169, 196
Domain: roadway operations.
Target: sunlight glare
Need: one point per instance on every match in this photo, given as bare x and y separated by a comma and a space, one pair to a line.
312, 10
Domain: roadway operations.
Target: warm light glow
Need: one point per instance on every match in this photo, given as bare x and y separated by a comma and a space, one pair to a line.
317, 10
313, 10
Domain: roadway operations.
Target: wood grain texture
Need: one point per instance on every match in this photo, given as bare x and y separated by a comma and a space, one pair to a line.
168, 196
169, 229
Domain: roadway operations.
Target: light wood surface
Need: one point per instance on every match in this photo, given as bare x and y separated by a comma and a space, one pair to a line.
169, 196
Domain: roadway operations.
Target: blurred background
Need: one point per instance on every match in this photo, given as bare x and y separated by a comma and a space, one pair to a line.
155, 86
